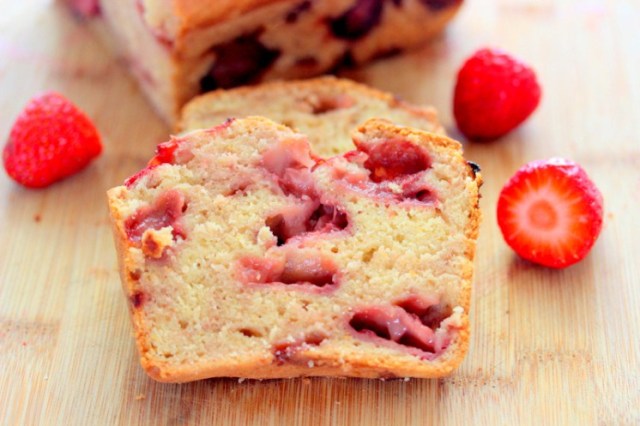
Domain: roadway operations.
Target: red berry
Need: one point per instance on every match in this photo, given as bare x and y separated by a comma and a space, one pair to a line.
165, 211
550, 212
50, 140
494, 94
390, 160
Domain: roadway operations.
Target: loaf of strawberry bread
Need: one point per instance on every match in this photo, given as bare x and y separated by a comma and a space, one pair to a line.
179, 48
244, 254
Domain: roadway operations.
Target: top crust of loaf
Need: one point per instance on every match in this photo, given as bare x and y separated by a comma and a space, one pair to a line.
178, 17
194, 13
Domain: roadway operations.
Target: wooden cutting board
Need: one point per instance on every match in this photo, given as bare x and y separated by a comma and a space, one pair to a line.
548, 347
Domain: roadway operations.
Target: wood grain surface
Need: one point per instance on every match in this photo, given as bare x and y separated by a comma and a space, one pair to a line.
548, 347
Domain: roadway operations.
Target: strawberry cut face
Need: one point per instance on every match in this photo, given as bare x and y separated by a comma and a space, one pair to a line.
391, 160
358, 21
417, 324
167, 210
550, 213
389, 171
305, 270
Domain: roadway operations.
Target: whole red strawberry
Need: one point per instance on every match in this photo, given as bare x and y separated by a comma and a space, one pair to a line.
550, 212
50, 140
494, 94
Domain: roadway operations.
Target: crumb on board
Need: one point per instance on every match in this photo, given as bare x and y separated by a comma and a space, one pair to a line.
140, 397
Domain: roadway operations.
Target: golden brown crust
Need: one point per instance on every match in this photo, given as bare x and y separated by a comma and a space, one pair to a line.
265, 369
199, 13
129, 285
193, 14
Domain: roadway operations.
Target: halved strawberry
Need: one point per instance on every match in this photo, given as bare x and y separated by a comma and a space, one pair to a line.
550, 212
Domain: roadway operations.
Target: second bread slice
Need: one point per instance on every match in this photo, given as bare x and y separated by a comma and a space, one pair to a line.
324, 109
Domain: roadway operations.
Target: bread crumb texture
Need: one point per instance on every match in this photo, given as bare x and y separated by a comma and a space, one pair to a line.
244, 253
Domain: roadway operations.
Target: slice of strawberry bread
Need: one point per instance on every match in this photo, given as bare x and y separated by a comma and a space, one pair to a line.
325, 109
244, 254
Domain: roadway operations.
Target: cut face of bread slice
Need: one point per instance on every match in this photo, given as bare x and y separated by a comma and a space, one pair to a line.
325, 109
244, 254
